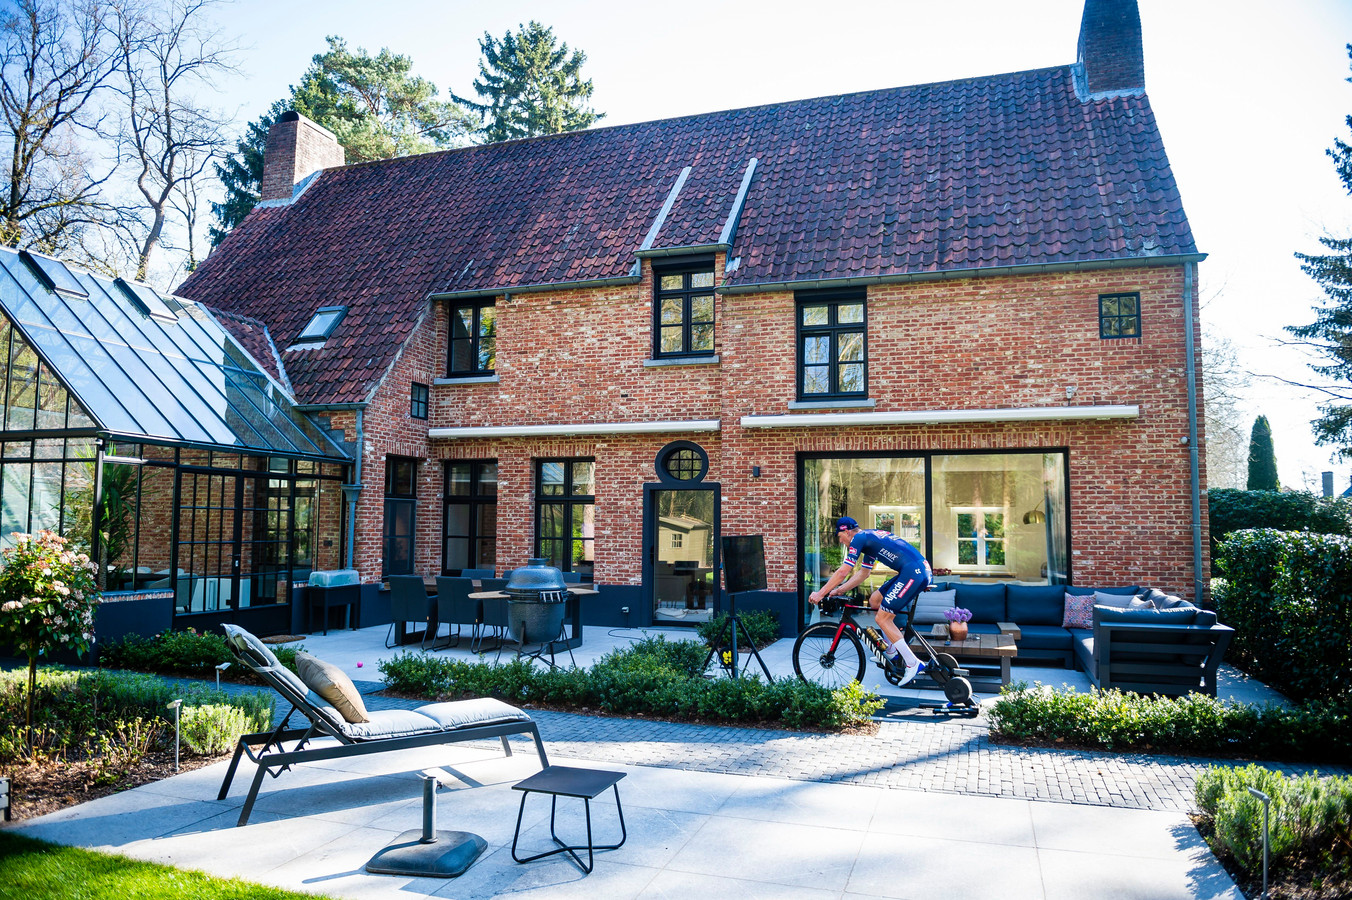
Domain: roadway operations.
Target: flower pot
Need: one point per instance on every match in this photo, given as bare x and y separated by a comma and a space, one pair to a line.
957, 631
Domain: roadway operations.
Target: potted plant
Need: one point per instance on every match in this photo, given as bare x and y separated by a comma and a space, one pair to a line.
957, 622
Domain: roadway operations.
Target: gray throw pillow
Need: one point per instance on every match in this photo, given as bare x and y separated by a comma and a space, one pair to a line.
929, 609
1116, 601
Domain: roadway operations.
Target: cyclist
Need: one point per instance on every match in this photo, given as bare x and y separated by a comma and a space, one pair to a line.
895, 596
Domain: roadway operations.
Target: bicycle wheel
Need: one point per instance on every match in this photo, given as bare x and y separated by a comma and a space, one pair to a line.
814, 661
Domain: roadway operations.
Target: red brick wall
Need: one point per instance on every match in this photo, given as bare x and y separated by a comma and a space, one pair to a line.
577, 356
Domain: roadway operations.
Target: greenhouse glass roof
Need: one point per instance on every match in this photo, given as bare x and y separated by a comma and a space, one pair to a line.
150, 378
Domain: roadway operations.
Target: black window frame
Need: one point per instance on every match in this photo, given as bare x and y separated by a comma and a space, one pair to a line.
570, 502
419, 397
1105, 317
833, 299
686, 268
397, 499
476, 500
475, 339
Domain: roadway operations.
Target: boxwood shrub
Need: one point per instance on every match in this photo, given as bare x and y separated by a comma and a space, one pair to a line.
188, 653
1194, 724
1232, 510
654, 677
761, 624
1288, 595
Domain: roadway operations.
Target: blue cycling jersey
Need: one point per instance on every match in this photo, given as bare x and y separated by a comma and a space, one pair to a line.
870, 546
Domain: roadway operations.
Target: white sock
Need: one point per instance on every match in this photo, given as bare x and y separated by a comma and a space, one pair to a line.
900, 649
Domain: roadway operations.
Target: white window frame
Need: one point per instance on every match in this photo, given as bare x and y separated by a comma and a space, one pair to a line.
981, 540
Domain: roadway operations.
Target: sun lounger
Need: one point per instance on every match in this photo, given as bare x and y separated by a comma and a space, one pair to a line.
392, 729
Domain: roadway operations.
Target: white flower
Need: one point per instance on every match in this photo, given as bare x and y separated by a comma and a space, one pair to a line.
47, 572
10, 606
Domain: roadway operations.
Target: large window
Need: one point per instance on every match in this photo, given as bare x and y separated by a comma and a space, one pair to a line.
683, 309
832, 350
565, 503
474, 335
401, 503
471, 523
975, 516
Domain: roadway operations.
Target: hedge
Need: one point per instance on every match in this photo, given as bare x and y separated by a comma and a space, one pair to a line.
1231, 510
1288, 595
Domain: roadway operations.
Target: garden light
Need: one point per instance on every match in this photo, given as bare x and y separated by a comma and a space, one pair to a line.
175, 705
219, 669
1267, 804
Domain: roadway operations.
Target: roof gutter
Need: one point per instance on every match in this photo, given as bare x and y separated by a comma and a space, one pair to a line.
683, 251
951, 274
534, 288
943, 416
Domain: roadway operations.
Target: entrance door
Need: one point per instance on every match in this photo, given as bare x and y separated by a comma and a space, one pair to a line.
681, 531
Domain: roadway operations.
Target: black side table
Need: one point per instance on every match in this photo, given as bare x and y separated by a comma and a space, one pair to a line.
567, 781
346, 596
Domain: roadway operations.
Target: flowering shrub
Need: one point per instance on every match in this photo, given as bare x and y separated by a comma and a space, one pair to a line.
47, 599
958, 614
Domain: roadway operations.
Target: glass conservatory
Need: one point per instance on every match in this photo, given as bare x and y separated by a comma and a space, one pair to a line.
138, 427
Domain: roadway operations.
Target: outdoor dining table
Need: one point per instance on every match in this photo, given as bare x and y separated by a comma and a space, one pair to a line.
575, 592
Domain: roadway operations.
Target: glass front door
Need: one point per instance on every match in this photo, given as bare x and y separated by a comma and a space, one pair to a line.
681, 524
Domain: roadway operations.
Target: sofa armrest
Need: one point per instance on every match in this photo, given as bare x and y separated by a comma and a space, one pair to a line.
1009, 628
1147, 657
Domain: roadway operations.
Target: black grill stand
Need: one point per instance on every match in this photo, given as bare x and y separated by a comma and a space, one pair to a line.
734, 625
428, 853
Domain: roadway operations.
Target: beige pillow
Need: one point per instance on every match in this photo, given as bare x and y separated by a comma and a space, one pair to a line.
331, 683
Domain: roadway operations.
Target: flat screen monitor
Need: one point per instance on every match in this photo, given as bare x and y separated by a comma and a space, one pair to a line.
744, 563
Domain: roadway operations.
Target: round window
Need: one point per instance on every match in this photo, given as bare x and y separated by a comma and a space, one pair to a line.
682, 461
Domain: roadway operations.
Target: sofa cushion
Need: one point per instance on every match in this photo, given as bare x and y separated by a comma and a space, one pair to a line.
1042, 604
1043, 637
1179, 616
1163, 600
986, 601
1078, 611
332, 683
1116, 601
1078, 591
1082, 642
930, 606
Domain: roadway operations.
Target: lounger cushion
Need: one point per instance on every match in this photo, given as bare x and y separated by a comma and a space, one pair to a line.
391, 723
250, 646
332, 683
469, 713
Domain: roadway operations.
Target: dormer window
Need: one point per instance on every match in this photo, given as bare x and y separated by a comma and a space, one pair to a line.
683, 308
325, 319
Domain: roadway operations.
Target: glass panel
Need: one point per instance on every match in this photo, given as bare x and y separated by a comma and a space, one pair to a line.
488, 353
457, 520
1108, 306
488, 479
850, 346
816, 315
849, 313
702, 308
981, 502
14, 505
683, 576
851, 378
671, 339
45, 503
457, 479
1127, 328
51, 401
488, 321
462, 322
583, 475
1110, 328
702, 337
49, 448
816, 350
462, 356
23, 395
457, 553
487, 522
1126, 305
551, 478
816, 380
672, 283
701, 279
551, 521
673, 311
18, 449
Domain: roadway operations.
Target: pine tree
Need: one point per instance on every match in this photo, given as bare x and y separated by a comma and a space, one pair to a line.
530, 85
1330, 334
373, 105
1262, 458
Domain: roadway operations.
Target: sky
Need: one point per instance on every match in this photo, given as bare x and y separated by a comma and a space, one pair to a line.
1248, 96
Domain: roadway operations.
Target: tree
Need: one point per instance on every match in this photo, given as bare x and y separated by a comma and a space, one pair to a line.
530, 86
1227, 444
374, 106
1330, 334
55, 65
165, 56
1262, 458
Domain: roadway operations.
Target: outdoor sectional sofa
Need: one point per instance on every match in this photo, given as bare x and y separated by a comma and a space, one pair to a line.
1172, 649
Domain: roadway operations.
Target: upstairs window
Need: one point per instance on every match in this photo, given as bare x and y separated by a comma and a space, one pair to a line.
474, 333
832, 350
321, 325
1119, 315
683, 309
418, 401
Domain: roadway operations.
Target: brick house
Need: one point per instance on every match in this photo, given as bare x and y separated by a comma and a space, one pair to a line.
965, 312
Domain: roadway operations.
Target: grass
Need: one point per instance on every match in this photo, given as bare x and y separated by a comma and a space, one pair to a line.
37, 870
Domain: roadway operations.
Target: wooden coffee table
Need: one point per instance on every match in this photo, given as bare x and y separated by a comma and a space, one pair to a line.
986, 656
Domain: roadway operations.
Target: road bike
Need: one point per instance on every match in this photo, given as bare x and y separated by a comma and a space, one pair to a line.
833, 654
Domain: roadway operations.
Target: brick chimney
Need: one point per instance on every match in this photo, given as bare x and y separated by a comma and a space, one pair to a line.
296, 148
1110, 57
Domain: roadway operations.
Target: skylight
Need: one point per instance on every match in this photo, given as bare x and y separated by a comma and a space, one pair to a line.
54, 274
326, 318
147, 300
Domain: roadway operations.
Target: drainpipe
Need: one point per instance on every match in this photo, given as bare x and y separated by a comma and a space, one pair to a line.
353, 491
1194, 464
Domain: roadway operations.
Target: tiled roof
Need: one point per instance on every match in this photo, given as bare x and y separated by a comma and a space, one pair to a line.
1009, 170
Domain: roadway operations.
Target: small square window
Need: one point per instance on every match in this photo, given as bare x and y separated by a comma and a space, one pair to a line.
321, 325
1119, 315
418, 402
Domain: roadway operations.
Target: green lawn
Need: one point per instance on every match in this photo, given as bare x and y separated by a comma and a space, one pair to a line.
37, 870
